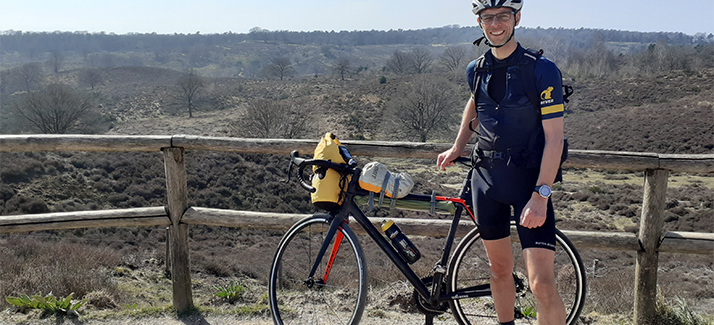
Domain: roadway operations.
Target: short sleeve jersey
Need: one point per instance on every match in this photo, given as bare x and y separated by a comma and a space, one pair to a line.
548, 84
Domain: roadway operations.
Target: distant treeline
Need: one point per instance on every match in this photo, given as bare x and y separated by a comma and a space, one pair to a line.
33, 42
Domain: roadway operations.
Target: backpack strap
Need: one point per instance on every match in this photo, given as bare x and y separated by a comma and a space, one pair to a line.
478, 72
530, 56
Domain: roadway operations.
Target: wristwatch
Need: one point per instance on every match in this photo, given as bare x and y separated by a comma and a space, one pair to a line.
543, 190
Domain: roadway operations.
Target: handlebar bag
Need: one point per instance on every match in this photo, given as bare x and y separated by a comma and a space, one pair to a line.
328, 184
376, 178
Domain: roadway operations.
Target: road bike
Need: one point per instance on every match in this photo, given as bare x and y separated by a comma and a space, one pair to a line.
319, 272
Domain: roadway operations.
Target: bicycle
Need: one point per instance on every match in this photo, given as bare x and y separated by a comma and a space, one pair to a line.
319, 265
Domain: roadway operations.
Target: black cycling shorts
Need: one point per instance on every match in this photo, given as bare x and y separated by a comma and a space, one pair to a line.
500, 192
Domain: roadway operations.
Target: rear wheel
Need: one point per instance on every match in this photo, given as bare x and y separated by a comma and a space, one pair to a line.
334, 297
469, 267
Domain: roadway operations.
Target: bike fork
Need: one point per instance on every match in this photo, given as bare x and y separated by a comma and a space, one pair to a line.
332, 232
333, 255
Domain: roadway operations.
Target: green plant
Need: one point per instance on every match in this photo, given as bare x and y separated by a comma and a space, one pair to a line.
677, 312
528, 312
230, 292
48, 303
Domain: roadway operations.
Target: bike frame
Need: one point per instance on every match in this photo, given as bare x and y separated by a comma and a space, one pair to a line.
350, 208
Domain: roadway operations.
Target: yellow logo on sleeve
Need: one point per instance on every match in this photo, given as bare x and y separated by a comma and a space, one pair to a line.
545, 95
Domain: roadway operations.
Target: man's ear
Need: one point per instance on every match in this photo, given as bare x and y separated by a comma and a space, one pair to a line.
518, 18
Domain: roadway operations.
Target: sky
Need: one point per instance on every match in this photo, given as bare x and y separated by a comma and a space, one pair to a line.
239, 16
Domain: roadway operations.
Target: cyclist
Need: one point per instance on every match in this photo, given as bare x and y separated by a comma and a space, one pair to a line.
513, 170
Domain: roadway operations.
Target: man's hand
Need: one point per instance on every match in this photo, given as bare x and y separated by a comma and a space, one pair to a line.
446, 158
534, 213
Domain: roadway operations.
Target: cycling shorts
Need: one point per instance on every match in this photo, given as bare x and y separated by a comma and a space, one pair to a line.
498, 193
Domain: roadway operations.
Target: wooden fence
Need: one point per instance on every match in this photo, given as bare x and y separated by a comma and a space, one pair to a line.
177, 215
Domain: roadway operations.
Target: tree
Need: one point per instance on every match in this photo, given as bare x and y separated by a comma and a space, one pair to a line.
280, 67
399, 63
56, 61
453, 58
189, 86
416, 61
342, 67
423, 107
91, 77
56, 109
265, 118
421, 60
30, 75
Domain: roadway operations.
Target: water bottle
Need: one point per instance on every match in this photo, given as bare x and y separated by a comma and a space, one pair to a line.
406, 249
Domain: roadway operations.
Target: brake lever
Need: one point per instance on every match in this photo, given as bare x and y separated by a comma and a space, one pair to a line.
290, 169
293, 154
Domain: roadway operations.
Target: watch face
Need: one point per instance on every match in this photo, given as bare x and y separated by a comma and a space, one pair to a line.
544, 191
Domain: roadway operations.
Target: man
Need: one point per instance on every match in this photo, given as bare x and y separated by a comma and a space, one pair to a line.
518, 150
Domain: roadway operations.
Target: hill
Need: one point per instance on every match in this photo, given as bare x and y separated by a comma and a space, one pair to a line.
669, 113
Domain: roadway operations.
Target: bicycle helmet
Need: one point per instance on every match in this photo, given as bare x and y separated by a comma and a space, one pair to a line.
480, 5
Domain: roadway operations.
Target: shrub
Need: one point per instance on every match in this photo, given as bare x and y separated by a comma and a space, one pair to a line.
230, 292
48, 303
24, 205
676, 312
58, 267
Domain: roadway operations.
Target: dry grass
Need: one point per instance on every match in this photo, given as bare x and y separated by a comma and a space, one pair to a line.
55, 266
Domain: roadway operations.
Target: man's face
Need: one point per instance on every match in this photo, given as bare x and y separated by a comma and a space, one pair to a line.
498, 24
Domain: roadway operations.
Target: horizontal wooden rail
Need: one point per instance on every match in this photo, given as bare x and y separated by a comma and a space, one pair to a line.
613, 160
673, 242
137, 217
47, 142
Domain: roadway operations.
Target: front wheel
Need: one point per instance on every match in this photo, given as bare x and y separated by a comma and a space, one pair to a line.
469, 268
336, 294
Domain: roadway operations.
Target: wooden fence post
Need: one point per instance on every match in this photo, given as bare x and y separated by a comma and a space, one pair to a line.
177, 193
653, 205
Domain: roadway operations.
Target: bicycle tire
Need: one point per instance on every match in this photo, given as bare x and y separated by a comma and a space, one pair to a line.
341, 300
469, 266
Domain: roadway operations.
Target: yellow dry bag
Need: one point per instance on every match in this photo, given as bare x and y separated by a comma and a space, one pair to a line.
328, 184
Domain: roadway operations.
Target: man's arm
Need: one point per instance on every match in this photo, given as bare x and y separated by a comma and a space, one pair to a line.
552, 110
553, 129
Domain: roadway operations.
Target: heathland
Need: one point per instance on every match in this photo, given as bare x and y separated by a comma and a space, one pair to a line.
642, 92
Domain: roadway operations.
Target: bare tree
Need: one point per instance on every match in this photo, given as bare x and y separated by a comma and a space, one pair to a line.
91, 77
342, 67
280, 67
30, 75
56, 61
265, 118
421, 60
399, 63
453, 58
189, 86
56, 109
423, 108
